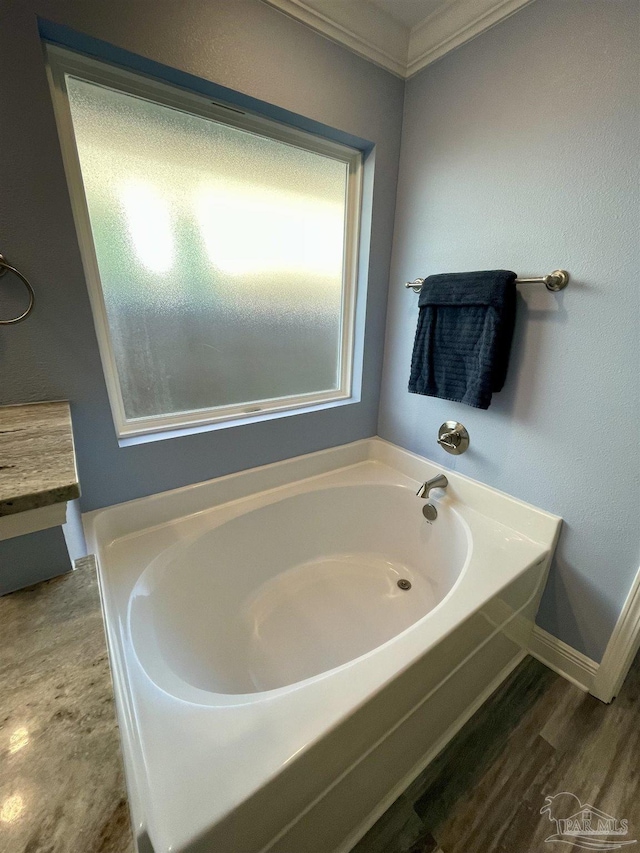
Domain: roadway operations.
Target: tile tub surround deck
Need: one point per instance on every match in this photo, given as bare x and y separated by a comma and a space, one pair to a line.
61, 778
37, 461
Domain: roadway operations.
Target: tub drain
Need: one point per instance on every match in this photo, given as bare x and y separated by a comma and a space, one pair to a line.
403, 583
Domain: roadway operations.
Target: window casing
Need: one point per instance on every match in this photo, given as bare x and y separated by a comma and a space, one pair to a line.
219, 247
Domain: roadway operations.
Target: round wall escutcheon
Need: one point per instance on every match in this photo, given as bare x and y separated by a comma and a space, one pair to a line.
453, 437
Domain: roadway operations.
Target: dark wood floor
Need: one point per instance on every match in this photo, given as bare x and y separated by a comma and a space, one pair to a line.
537, 736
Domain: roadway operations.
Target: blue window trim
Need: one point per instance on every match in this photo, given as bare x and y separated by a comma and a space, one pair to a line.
90, 46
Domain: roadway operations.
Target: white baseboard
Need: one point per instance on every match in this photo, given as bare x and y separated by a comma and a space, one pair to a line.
563, 659
621, 648
602, 680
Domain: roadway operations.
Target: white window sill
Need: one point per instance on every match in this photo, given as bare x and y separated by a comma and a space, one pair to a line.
258, 417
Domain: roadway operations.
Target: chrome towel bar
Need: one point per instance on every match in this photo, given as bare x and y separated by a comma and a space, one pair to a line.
6, 267
557, 280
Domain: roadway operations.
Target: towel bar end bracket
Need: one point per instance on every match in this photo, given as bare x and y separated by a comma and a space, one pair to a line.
558, 280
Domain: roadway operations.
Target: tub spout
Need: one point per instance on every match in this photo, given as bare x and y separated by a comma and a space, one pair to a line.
439, 482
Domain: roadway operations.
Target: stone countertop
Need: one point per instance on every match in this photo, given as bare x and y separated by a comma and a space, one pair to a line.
61, 776
37, 460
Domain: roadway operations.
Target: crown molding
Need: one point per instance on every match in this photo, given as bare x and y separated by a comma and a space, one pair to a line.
373, 34
452, 25
362, 28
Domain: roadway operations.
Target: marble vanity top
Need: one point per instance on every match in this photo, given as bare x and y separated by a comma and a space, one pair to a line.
62, 784
37, 460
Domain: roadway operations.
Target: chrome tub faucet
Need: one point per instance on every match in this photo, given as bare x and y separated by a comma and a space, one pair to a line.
439, 482
429, 510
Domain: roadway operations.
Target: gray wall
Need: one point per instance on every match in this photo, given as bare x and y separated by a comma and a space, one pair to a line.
244, 45
520, 151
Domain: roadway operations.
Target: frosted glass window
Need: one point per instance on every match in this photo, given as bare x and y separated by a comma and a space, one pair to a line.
223, 246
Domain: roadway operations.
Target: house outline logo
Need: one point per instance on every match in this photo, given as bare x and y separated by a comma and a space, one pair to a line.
584, 826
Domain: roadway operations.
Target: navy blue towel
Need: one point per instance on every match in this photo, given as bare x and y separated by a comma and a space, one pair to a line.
465, 327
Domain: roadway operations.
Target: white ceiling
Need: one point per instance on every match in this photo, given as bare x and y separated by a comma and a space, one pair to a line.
409, 12
402, 36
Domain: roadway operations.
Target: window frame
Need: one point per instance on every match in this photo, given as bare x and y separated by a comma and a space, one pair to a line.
61, 61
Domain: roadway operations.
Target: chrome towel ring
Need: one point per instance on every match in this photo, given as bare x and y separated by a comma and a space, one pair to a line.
4, 268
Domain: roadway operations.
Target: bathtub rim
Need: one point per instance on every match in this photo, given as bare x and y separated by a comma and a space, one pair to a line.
157, 509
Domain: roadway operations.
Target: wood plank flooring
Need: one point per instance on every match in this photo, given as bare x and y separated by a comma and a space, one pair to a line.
537, 736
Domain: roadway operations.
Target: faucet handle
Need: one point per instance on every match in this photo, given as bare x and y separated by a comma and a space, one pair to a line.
449, 439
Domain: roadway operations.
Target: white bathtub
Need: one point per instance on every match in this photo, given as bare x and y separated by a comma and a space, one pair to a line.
276, 688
